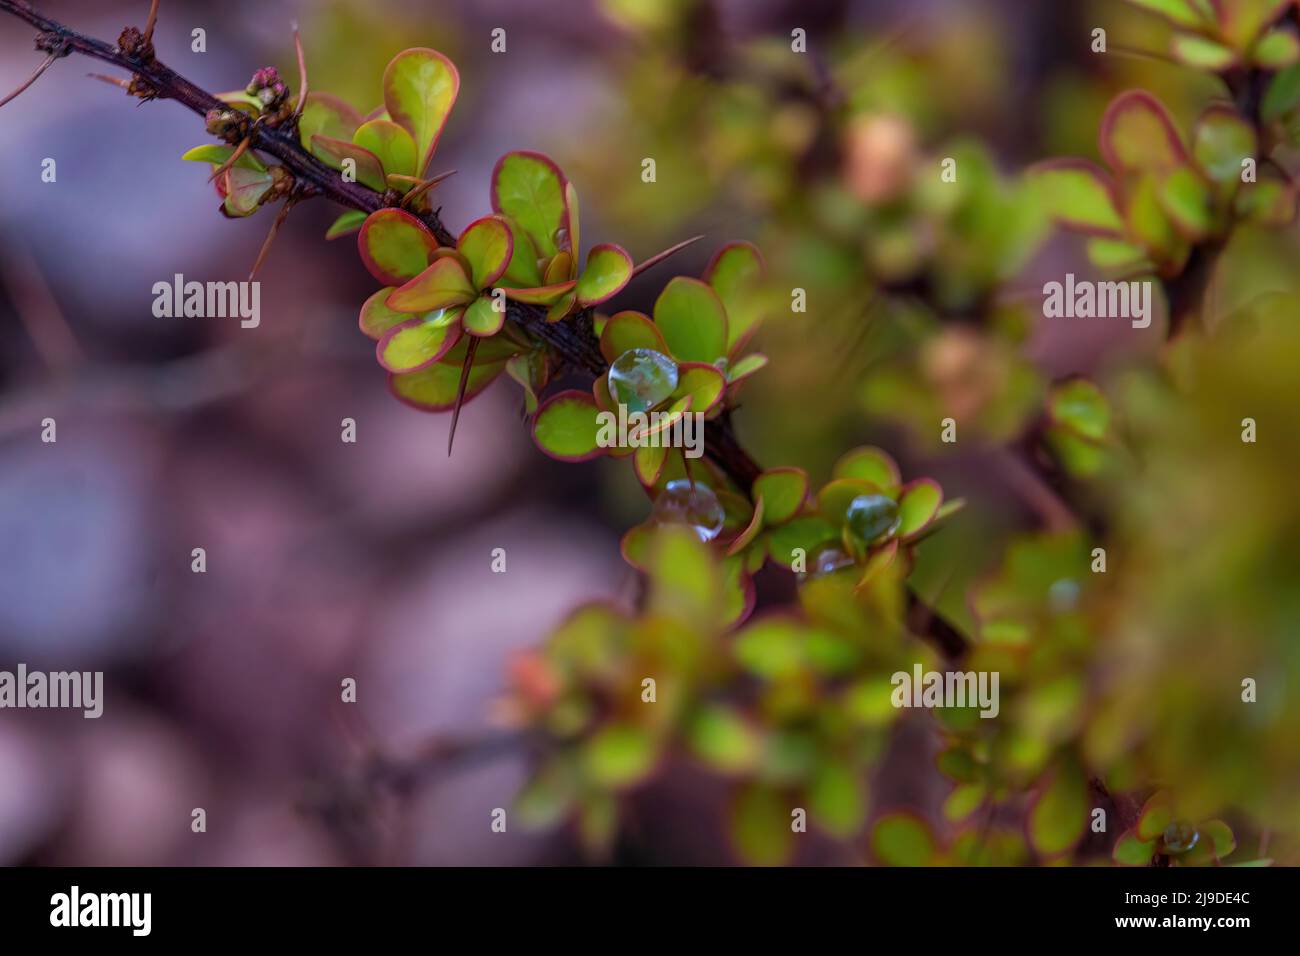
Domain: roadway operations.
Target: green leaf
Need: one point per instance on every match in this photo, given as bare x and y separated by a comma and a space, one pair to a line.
808, 532
1276, 50
630, 330
918, 503
346, 224
871, 465
1058, 816
783, 491
1282, 95
522, 272
837, 799
901, 839
1157, 813
482, 318
333, 152
1080, 406
415, 344
704, 383
692, 320
760, 825
326, 115
1148, 221
433, 389
245, 189
546, 295
648, 461
565, 427
772, 648
420, 87
1115, 256
1201, 52
745, 367
1137, 134
720, 736
1186, 198
835, 496
1078, 195
217, 154
377, 318
442, 284
619, 756
488, 245
1242, 21
734, 273
1131, 851
395, 246
528, 188
391, 143
1221, 140
1180, 12
963, 801
608, 270
746, 537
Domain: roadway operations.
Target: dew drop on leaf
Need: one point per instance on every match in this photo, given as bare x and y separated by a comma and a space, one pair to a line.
642, 378
828, 560
871, 517
694, 505
1179, 837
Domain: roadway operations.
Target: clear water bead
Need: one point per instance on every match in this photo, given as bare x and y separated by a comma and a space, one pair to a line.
1179, 837
828, 560
642, 378
871, 517
694, 505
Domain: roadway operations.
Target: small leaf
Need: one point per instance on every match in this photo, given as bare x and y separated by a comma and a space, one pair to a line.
721, 737
619, 756
1185, 198
648, 461
1059, 814
420, 87
630, 330
745, 367
528, 188
783, 491
902, 839
482, 318
837, 799
1221, 140
488, 246
869, 464
692, 320
760, 825
963, 801
245, 189
433, 389
217, 155
608, 270
746, 537
1080, 406
415, 344
1282, 95
806, 532
734, 273
395, 246
1157, 813
522, 272
546, 295
442, 284
566, 427
1078, 195
704, 383
332, 152
326, 115
1180, 12
346, 224
376, 318
1201, 52
1137, 134
391, 143
1131, 851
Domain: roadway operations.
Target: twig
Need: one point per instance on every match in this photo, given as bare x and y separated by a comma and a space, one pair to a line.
45, 65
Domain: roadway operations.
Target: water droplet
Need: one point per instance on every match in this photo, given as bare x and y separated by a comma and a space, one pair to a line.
642, 378
695, 506
1179, 837
871, 517
1063, 595
828, 560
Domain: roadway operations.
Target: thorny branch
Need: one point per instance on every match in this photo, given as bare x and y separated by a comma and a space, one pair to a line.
573, 340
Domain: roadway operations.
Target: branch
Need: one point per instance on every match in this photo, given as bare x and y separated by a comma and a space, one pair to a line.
573, 340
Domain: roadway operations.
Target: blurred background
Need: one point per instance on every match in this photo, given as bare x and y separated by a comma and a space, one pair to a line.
371, 560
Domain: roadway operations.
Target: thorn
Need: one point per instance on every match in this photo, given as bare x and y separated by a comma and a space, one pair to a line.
660, 257
302, 72
234, 158
151, 22
280, 217
460, 389
111, 80
33, 78
425, 186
